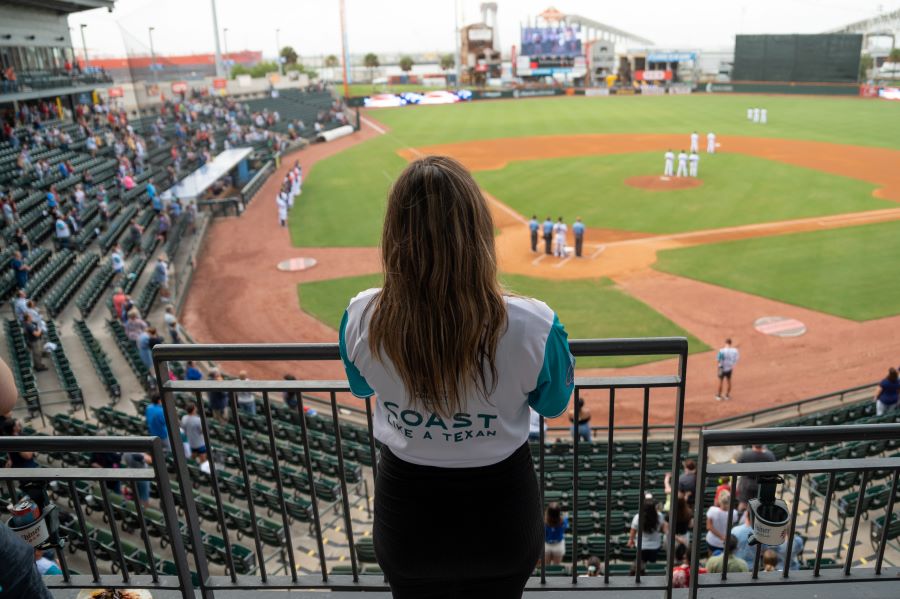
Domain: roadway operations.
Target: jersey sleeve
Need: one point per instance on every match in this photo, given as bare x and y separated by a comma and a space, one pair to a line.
556, 379
358, 384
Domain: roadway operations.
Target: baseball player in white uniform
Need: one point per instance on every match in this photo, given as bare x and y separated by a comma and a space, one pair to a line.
749, 114
561, 230
763, 116
282, 203
695, 142
669, 169
756, 115
710, 143
694, 160
682, 164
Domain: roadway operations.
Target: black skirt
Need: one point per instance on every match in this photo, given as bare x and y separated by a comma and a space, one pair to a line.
457, 532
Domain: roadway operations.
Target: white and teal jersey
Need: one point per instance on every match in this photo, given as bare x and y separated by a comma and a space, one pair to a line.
534, 368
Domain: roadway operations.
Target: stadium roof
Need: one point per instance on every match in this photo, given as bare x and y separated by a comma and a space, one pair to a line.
883, 23
201, 179
610, 32
65, 6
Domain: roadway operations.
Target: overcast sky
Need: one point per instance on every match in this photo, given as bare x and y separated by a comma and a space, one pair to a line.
312, 27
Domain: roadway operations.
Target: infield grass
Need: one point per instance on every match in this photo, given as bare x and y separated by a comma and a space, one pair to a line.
846, 272
588, 309
737, 190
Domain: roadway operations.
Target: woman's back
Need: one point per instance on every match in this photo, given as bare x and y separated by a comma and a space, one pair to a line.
529, 353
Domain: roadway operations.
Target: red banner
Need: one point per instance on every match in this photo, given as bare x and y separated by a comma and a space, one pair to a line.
115, 92
220, 83
179, 87
653, 75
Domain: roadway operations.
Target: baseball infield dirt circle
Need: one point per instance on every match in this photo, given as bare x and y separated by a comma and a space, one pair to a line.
835, 353
657, 183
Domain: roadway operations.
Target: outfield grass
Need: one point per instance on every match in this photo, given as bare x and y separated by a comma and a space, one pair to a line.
588, 309
846, 272
737, 190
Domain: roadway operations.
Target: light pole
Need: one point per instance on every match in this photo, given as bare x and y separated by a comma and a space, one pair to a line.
215, 22
278, 52
152, 55
84, 47
227, 64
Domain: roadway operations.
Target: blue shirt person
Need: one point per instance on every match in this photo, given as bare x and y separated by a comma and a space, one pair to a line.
533, 226
548, 235
156, 421
578, 229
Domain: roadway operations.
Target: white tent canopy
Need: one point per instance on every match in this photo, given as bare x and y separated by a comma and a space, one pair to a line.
200, 180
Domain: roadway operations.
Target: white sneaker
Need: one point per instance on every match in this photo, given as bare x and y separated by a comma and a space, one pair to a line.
718, 398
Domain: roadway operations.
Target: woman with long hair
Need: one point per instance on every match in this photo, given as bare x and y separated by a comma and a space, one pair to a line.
555, 525
651, 530
887, 397
455, 363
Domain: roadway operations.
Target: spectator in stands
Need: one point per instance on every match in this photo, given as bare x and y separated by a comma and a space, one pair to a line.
135, 325
108, 459
164, 224
724, 485
888, 393
652, 532
20, 305
145, 344
45, 566
245, 399
20, 269
156, 421
291, 398
717, 523
140, 460
17, 459
9, 211
35, 340
714, 564
218, 400
193, 428
118, 299
21, 241
684, 521
134, 232
426, 345
555, 525
161, 277
687, 482
583, 428
681, 571
172, 325
747, 486
191, 372
32, 310
117, 261
63, 232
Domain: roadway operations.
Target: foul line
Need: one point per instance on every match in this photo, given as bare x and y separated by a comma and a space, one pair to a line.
537, 260
598, 251
373, 125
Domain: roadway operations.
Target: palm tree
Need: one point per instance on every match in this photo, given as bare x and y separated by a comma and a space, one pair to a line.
289, 55
371, 62
406, 64
331, 61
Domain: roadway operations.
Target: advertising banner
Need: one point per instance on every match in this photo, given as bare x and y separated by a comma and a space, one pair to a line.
179, 87
115, 92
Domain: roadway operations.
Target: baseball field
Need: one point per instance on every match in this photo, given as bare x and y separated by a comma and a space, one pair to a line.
797, 219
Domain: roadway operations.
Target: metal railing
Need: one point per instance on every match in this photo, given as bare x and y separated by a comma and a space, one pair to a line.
610, 477
797, 471
65, 481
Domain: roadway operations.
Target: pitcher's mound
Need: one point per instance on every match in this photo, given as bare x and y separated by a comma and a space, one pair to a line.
654, 183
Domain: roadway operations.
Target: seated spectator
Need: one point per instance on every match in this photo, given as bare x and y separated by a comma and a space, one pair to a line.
108, 459
17, 459
192, 373
714, 564
594, 567
555, 525
888, 393
717, 523
654, 527
46, 566
681, 571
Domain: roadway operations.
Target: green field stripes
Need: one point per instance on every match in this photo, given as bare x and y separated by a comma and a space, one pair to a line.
847, 272
587, 308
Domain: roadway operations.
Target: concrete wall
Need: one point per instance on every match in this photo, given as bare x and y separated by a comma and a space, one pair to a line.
20, 22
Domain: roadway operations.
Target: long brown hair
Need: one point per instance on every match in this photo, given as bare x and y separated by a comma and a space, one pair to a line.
441, 312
